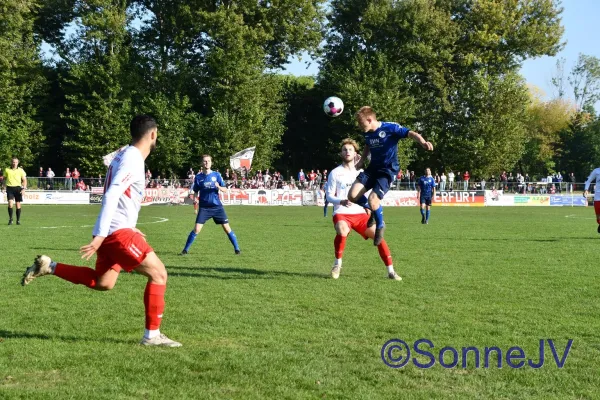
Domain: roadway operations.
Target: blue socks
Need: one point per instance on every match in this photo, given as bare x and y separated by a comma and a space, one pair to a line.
233, 240
190, 240
325, 209
422, 212
427, 216
379, 217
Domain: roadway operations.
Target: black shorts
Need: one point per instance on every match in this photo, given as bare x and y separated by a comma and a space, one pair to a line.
14, 193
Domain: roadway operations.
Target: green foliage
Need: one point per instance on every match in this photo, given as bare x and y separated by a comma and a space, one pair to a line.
21, 83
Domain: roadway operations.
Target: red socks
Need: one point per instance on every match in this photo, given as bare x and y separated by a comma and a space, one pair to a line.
154, 302
77, 275
384, 253
339, 244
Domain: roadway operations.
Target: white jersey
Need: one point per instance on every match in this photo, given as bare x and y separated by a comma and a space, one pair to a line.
123, 193
338, 185
594, 178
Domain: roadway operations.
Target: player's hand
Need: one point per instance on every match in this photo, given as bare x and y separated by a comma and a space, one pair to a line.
138, 231
345, 203
88, 250
585, 194
427, 146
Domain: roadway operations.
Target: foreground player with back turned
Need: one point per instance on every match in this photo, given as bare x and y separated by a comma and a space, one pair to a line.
348, 216
425, 192
594, 178
116, 240
207, 185
382, 142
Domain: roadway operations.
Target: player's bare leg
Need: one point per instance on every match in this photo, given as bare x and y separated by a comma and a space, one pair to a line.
342, 230
154, 301
43, 265
191, 238
232, 238
384, 253
357, 196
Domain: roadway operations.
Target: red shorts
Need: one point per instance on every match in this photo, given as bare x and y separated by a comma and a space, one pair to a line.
597, 207
123, 249
357, 222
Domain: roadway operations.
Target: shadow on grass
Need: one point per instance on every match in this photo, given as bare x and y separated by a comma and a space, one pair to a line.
237, 273
4, 334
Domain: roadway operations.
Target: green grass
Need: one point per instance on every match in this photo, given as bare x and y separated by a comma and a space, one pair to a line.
272, 324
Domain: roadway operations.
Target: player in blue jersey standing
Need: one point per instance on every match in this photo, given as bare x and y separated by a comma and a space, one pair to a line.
425, 192
381, 139
206, 192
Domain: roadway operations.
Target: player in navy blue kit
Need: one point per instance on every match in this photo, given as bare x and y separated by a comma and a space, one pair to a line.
381, 139
206, 191
426, 191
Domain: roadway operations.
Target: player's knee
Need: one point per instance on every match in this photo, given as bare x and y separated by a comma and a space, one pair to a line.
104, 286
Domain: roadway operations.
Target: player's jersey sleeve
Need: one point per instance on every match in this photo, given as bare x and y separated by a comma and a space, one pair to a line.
196, 187
398, 130
118, 181
330, 189
592, 178
220, 180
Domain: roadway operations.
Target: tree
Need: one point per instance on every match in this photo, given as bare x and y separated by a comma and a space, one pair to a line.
585, 80
22, 82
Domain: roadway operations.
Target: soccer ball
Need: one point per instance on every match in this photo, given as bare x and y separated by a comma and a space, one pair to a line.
333, 106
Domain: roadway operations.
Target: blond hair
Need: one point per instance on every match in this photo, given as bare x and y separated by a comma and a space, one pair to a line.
366, 112
351, 142
206, 155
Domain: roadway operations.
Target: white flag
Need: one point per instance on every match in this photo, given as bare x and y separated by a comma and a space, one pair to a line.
242, 159
107, 159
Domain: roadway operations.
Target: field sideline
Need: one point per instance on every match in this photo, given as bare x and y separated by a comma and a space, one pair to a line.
271, 323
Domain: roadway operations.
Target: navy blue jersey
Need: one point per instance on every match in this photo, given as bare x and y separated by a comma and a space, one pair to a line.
206, 185
383, 144
426, 185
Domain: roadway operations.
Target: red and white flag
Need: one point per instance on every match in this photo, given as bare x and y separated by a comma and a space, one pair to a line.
107, 159
242, 159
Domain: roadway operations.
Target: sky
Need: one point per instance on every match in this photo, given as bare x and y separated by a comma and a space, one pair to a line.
581, 20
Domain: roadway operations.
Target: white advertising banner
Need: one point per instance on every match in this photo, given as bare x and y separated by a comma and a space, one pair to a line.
43, 197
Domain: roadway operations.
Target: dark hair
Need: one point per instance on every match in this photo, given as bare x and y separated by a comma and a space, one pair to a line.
140, 125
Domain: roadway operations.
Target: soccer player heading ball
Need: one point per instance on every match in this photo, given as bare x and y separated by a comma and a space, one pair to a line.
348, 216
382, 142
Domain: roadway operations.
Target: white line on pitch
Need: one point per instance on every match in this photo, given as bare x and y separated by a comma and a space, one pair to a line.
160, 219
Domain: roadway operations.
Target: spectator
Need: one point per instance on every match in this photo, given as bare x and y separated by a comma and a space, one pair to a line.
443, 181
466, 177
50, 179
81, 186
571, 183
451, 180
75, 174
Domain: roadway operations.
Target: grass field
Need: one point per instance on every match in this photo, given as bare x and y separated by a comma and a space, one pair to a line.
272, 324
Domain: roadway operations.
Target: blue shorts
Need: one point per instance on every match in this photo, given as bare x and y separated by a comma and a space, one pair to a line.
379, 181
216, 213
425, 200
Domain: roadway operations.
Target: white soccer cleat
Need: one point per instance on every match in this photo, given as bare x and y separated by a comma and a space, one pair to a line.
40, 267
337, 268
394, 276
160, 340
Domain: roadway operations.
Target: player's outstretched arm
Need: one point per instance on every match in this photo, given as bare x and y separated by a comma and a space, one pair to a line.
331, 194
419, 139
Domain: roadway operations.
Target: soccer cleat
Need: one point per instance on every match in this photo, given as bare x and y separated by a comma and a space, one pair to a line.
426, 222
10, 221
183, 253
378, 236
160, 340
238, 252
422, 219
598, 228
394, 276
371, 220
40, 267
18, 222
335, 271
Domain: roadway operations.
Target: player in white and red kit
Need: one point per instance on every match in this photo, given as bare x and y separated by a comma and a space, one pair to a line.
348, 216
117, 242
595, 178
